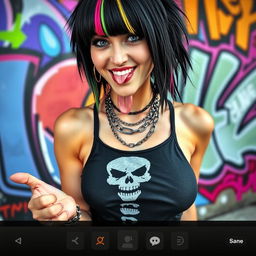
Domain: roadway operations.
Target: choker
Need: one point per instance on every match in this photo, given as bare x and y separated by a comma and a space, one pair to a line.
135, 112
119, 126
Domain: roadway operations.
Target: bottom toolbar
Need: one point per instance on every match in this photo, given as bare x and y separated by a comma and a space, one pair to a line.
129, 240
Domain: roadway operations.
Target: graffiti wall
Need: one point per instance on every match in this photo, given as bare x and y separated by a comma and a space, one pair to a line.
223, 51
39, 81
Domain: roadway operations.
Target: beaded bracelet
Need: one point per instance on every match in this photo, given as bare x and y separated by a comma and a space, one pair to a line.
76, 218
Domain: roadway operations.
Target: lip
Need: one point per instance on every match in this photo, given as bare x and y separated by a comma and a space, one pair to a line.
122, 69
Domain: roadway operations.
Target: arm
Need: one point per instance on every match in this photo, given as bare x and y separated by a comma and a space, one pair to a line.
48, 202
71, 132
201, 125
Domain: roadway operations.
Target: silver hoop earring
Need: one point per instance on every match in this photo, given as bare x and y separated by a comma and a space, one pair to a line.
98, 80
152, 79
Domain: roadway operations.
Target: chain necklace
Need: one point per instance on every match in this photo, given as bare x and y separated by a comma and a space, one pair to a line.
117, 125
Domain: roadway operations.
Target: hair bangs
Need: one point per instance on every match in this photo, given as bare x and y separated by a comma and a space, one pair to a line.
119, 19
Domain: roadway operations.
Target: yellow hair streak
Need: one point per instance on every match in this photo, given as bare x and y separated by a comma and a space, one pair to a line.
124, 17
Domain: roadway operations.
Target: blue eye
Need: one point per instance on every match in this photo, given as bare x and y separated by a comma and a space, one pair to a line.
133, 38
100, 43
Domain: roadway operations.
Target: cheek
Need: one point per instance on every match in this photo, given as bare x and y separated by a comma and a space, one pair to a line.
142, 56
97, 58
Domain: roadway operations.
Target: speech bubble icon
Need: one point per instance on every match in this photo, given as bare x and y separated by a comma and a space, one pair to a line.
154, 240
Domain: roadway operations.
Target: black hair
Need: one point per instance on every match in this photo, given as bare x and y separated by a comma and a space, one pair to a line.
160, 22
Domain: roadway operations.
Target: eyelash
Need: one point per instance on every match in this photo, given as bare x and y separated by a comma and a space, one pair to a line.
136, 40
96, 41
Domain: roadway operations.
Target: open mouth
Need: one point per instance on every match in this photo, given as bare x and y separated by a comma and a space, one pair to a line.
129, 196
129, 209
122, 76
131, 189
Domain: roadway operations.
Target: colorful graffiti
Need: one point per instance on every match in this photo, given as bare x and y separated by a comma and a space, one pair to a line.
40, 81
223, 51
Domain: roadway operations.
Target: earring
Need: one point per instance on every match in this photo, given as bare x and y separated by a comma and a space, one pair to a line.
98, 80
152, 78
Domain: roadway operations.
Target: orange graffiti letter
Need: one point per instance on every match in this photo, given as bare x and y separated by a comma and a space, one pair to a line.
244, 24
212, 18
226, 19
232, 6
191, 9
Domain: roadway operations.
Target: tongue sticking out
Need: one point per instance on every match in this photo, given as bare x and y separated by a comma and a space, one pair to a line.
125, 103
120, 79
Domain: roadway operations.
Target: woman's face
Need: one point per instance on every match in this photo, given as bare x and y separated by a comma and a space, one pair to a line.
124, 61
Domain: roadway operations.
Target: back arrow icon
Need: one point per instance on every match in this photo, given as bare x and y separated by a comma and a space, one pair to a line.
18, 240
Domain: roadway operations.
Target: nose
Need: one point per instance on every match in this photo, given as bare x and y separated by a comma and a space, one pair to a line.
119, 55
128, 179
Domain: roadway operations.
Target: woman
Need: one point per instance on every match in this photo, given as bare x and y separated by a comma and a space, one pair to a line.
134, 155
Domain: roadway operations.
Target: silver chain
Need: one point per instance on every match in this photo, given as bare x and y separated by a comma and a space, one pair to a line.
117, 125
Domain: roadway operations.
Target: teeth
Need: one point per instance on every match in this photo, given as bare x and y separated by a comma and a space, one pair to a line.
128, 188
128, 211
121, 73
129, 196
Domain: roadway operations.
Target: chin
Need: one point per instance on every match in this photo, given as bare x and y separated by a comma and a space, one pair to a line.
125, 91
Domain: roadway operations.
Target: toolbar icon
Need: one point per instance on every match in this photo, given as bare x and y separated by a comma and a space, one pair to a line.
127, 240
75, 240
100, 240
179, 240
18, 240
154, 240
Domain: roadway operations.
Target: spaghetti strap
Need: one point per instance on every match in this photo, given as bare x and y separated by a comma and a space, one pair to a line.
96, 121
172, 118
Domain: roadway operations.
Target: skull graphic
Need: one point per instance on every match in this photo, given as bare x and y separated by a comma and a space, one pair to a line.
128, 173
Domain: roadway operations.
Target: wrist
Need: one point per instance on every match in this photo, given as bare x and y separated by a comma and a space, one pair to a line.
75, 218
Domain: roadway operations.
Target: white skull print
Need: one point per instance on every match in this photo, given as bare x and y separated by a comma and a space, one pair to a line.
128, 173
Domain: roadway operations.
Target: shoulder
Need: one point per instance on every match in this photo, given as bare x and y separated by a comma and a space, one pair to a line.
196, 126
195, 118
74, 121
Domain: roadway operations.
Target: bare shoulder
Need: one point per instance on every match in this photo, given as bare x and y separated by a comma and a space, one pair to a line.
74, 121
195, 118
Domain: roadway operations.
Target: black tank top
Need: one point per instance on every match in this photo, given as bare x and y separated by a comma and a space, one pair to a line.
155, 184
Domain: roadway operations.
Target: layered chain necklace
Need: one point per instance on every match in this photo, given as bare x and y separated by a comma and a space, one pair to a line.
119, 126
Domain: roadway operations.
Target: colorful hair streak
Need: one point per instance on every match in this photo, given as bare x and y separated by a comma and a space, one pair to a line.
172, 84
97, 19
103, 18
124, 17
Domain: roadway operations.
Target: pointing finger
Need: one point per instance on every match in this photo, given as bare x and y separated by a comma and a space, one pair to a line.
26, 178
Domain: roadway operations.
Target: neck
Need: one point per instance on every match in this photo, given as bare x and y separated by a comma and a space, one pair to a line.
141, 98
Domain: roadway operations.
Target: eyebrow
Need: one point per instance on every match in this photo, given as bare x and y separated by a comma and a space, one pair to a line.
98, 36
